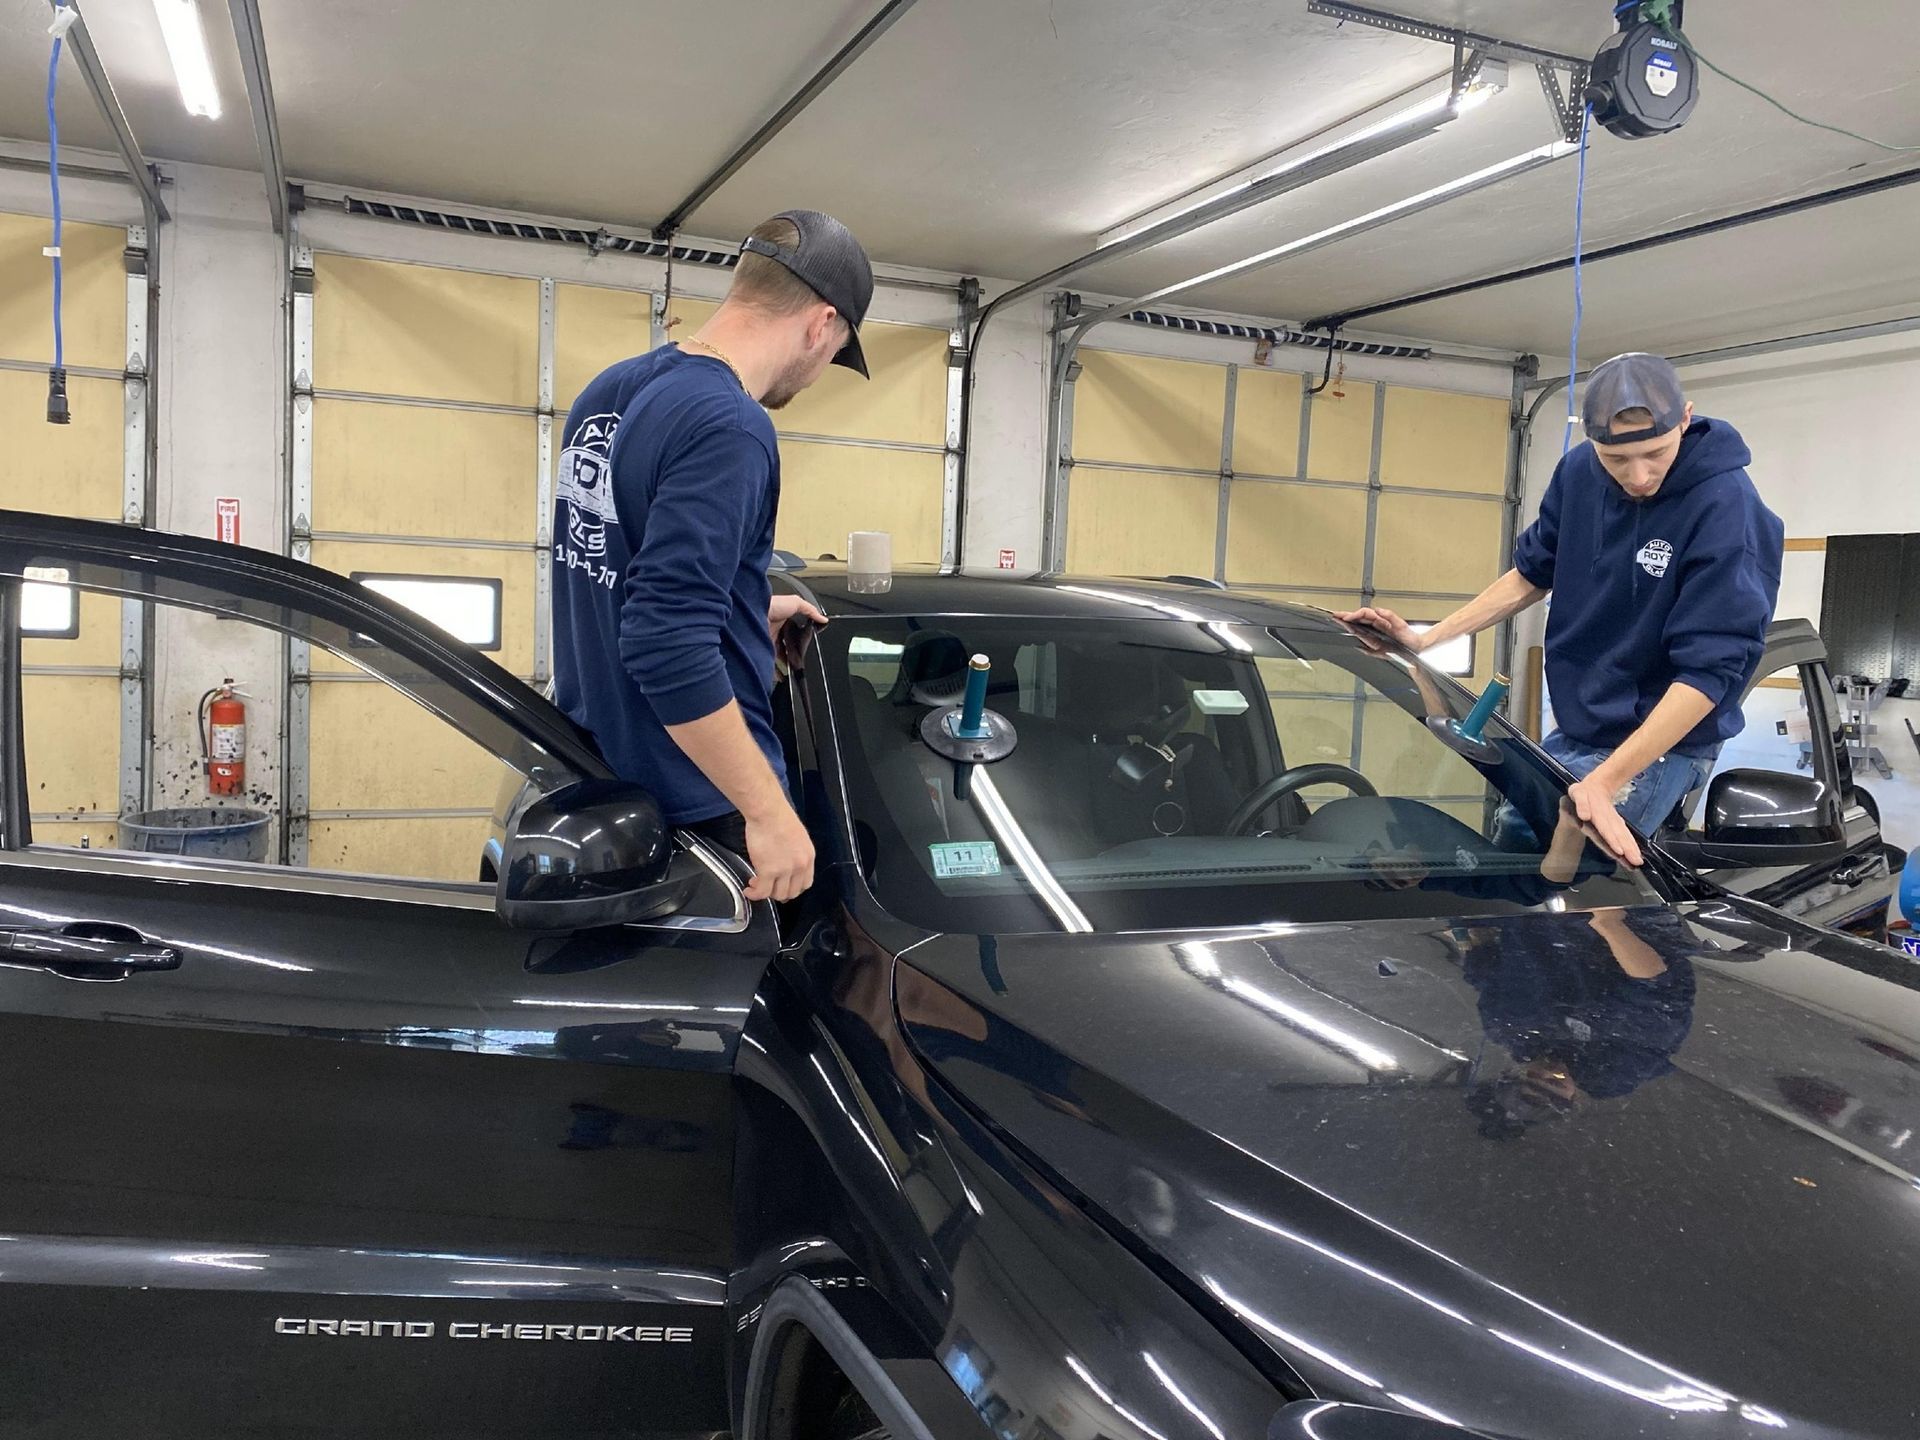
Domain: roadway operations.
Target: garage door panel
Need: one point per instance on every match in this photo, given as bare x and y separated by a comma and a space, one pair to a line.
1432, 543
77, 834
1400, 756
73, 469
71, 725
417, 330
375, 749
419, 848
98, 642
1443, 441
1313, 732
1266, 423
827, 491
419, 470
93, 285
1340, 435
905, 401
594, 327
1146, 411
513, 568
1136, 522
1295, 534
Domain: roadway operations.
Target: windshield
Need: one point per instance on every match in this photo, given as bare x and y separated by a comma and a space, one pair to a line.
1175, 775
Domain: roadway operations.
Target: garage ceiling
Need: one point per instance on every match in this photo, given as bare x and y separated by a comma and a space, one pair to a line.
997, 137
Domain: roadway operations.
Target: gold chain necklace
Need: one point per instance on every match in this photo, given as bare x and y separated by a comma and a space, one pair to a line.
718, 354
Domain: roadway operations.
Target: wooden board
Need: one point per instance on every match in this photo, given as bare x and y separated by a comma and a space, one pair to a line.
593, 327
384, 328
1137, 522
1296, 535
1432, 543
72, 734
1266, 423
426, 848
1340, 435
417, 470
93, 284
1146, 411
1443, 441
375, 749
828, 490
73, 469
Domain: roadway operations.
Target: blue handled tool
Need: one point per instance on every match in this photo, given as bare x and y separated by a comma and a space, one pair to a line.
969, 734
1476, 722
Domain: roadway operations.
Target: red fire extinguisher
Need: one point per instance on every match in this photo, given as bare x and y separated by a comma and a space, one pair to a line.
223, 739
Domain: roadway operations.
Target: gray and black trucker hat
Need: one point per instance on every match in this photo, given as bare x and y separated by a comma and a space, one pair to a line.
1634, 381
834, 266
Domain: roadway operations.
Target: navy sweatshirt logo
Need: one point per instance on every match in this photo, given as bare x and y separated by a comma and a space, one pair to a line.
1677, 588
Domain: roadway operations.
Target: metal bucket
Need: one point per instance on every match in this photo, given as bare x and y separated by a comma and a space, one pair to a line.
202, 831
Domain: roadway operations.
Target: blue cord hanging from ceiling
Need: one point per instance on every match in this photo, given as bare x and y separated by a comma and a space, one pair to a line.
57, 411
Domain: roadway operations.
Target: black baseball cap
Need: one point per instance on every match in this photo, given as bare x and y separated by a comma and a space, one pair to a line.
835, 268
1634, 381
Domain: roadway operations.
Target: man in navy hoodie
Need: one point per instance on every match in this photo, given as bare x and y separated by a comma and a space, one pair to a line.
663, 617
1664, 567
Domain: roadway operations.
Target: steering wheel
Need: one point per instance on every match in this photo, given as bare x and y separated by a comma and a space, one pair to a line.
1288, 781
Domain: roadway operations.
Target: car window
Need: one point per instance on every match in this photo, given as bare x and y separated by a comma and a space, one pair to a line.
1145, 788
391, 788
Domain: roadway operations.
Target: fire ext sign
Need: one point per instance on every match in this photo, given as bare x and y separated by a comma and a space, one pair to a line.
226, 521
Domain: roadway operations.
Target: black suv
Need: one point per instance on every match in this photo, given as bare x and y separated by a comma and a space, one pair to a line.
1201, 1069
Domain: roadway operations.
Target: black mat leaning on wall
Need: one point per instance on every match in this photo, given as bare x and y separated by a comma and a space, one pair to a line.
1870, 607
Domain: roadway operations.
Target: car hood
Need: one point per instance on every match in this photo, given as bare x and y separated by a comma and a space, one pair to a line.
1563, 1176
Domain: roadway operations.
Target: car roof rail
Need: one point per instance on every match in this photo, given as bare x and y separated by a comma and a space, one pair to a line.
1204, 582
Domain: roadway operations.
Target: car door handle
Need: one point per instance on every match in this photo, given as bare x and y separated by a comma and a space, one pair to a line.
86, 948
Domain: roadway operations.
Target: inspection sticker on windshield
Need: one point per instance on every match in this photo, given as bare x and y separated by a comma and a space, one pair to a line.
965, 859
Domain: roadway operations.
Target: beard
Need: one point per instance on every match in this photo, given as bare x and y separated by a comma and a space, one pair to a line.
787, 384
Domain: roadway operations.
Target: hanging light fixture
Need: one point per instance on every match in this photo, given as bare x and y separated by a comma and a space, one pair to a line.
186, 41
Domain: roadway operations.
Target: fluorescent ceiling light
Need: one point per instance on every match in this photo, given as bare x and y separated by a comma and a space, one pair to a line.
1426, 199
1437, 105
187, 48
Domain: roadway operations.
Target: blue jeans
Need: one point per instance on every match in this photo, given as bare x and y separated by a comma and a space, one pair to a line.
1647, 799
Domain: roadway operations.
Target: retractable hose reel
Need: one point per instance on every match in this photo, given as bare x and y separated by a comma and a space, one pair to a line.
969, 734
1644, 81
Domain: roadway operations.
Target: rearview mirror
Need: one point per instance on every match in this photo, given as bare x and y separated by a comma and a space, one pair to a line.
594, 853
1765, 817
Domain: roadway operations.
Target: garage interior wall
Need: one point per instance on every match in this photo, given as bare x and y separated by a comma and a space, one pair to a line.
1373, 489
868, 455
1828, 427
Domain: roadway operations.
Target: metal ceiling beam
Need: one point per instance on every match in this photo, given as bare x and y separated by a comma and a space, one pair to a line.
805, 96
95, 74
1400, 209
1778, 210
1419, 29
266, 126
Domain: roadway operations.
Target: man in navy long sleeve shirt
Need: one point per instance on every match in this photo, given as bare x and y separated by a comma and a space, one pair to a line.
1664, 567
663, 618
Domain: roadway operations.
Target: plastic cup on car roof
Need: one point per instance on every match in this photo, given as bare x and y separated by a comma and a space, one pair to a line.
870, 562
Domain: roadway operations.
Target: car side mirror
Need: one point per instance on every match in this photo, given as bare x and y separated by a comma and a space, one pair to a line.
594, 853
1765, 817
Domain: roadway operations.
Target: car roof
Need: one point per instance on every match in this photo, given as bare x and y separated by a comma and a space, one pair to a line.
923, 591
